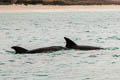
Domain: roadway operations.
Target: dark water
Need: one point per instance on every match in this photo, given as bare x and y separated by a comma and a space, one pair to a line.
34, 30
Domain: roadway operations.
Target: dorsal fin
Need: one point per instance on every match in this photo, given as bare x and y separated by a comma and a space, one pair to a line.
69, 43
19, 49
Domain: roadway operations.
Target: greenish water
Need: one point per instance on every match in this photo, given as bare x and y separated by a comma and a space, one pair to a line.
35, 30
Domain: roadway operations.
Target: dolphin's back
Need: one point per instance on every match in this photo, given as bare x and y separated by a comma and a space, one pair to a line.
83, 47
47, 49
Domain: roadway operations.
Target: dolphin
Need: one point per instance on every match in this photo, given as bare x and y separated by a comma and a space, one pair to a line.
69, 45
72, 45
20, 50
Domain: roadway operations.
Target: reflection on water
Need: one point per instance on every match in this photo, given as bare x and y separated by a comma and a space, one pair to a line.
34, 30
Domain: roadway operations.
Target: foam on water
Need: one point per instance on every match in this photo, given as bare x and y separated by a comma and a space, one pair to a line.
35, 30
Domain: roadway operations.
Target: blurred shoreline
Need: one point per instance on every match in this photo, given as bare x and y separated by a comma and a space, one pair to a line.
57, 8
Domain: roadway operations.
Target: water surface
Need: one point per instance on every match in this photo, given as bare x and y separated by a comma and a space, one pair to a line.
35, 30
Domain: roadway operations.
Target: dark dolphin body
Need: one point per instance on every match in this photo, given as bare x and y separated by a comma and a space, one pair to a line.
69, 45
72, 45
20, 50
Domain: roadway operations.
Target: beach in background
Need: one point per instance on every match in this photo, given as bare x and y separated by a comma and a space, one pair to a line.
57, 8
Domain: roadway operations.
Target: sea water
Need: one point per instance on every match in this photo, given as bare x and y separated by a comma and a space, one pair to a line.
42, 29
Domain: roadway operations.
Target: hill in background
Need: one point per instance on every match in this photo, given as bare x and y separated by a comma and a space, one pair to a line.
60, 2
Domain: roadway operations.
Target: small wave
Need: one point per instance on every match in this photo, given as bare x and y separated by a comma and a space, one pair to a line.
93, 56
115, 55
9, 51
112, 48
114, 38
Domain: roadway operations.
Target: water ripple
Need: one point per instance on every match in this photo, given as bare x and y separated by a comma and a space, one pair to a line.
34, 30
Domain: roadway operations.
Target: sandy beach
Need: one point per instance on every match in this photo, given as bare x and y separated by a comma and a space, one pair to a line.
57, 8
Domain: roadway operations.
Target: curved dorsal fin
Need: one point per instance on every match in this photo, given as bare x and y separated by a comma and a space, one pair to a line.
69, 43
19, 49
